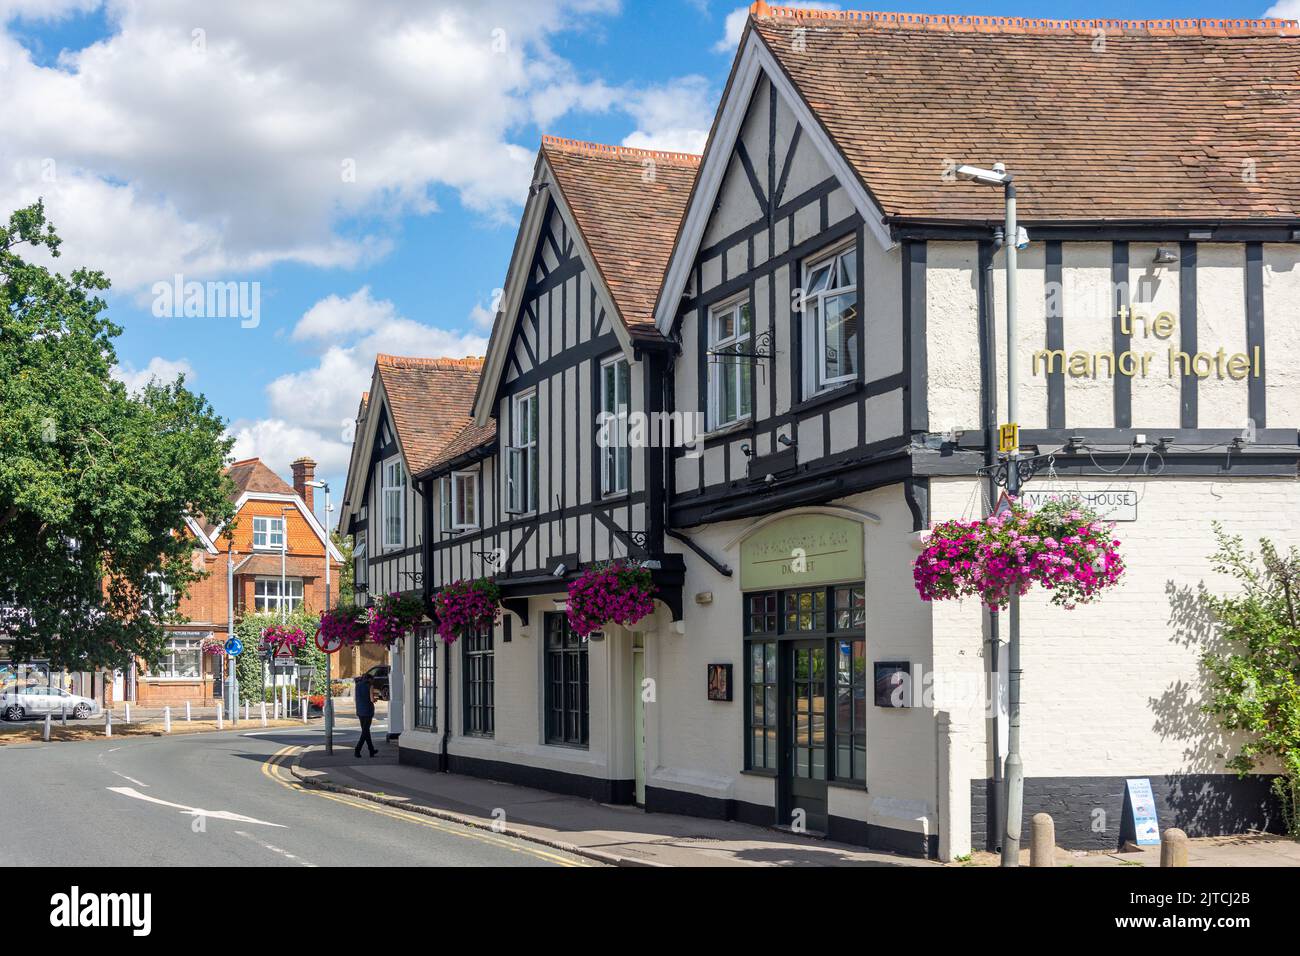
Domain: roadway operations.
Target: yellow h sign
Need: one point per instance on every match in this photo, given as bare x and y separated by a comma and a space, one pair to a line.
1009, 438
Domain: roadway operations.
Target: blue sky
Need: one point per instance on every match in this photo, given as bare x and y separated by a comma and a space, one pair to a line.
211, 140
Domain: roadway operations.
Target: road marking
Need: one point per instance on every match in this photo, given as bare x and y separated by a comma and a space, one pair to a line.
275, 849
194, 811
132, 779
274, 765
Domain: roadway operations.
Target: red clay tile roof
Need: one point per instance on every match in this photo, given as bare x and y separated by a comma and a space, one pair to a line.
1097, 119
251, 475
470, 437
429, 399
627, 217
297, 567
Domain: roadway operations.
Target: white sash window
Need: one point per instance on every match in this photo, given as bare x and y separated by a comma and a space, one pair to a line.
521, 460
616, 456
832, 325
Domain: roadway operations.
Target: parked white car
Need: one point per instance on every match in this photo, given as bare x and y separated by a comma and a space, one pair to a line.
33, 700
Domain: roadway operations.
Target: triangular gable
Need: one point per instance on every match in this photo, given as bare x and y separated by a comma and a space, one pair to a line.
363, 444
753, 61
529, 250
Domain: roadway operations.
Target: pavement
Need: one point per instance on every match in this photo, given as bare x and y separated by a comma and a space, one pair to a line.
218, 799
1246, 849
603, 833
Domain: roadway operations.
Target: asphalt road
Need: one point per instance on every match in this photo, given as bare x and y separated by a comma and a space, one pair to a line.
221, 799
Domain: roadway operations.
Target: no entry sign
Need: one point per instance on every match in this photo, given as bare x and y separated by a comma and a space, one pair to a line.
328, 644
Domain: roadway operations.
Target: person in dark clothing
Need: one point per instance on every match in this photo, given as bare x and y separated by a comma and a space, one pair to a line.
365, 712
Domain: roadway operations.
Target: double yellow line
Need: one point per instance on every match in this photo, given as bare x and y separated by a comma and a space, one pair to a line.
276, 768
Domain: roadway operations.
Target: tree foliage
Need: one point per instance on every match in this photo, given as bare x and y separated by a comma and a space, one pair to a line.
1255, 687
95, 482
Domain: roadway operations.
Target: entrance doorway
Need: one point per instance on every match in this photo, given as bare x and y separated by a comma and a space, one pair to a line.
804, 770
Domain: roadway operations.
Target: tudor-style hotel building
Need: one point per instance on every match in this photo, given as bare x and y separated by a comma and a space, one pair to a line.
828, 298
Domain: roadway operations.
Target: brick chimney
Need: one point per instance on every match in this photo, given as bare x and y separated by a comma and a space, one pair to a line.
304, 470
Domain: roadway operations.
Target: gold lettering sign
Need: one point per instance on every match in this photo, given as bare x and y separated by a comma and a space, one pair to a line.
802, 551
1139, 364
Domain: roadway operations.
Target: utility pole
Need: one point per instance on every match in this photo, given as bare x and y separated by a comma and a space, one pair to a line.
232, 691
329, 677
1015, 771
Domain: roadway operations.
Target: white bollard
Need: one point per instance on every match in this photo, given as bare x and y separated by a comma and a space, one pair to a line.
64, 715
45, 734
303, 708
167, 720
187, 710
108, 722
263, 713
128, 711
245, 710
220, 723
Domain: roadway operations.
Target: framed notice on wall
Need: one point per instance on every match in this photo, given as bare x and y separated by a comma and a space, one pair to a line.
893, 683
719, 682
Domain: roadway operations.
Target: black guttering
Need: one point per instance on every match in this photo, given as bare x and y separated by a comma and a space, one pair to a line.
1092, 230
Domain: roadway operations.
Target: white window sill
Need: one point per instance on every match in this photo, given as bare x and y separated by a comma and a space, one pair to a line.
727, 429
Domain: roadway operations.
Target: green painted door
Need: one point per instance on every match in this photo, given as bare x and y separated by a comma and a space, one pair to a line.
806, 766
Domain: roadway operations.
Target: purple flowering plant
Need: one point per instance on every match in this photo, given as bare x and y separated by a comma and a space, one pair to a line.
275, 635
612, 593
466, 605
393, 616
348, 623
1062, 546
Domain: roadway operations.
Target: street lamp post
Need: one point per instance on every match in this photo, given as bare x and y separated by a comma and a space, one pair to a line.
284, 596
1013, 241
329, 677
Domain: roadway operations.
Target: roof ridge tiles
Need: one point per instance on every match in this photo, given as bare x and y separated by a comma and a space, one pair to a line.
468, 363
618, 152
963, 23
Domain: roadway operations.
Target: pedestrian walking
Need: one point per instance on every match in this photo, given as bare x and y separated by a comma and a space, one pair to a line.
365, 699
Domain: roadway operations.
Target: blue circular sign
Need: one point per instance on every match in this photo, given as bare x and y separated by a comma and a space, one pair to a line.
234, 647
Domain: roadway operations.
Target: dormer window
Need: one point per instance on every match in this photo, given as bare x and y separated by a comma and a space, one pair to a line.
268, 533
832, 325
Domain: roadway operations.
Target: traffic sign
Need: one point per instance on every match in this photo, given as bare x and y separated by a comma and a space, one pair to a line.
234, 647
328, 644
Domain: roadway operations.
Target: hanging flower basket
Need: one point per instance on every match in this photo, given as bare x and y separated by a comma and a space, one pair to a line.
276, 635
393, 616
216, 646
347, 623
466, 606
1066, 549
615, 593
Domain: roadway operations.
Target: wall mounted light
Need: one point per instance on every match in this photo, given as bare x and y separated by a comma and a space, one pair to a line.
560, 570
1166, 255
787, 441
746, 450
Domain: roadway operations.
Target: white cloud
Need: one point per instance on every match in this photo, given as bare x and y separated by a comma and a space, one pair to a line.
1284, 9
163, 370
676, 116
734, 26
311, 411
209, 138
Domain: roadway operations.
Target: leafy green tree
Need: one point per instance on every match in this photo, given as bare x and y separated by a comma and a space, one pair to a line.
347, 580
1256, 685
248, 666
95, 482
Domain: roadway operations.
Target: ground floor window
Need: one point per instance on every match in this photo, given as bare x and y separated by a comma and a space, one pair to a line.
182, 658
269, 598
567, 693
805, 657
426, 684
480, 677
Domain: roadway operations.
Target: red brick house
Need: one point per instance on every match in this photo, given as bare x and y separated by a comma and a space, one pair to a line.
274, 553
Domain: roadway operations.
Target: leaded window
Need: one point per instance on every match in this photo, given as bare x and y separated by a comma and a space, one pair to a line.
567, 685
426, 674
480, 678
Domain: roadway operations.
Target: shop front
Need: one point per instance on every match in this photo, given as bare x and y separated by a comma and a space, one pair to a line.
183, 672
804, 624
